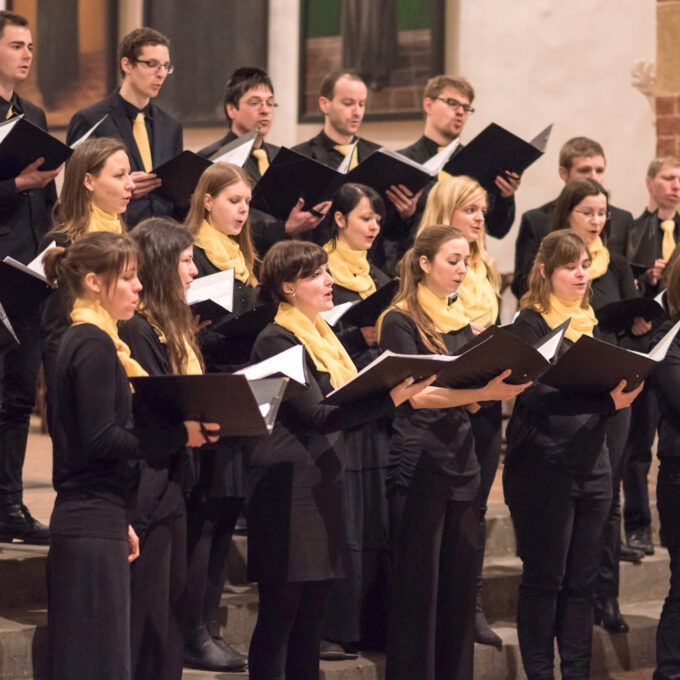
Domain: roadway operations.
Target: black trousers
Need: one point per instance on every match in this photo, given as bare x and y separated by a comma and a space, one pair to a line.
19, 372
158, 583
88, 586
608, 577
638, 459
210, 526
668, 633
559, 521
432, 605
486, 426
285, 642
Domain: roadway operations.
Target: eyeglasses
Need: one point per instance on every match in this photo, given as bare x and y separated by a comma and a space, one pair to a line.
455, 104
154, 65
590, 215
261, 103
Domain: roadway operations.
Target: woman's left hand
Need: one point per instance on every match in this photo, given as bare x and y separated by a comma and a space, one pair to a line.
133, 544
640, 326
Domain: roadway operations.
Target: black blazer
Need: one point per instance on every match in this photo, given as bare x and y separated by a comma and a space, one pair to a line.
25, 216
296, 519
535, 225
166, 144
265, 230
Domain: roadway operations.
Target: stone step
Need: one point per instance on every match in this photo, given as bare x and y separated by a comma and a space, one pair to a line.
22, 575
23, 648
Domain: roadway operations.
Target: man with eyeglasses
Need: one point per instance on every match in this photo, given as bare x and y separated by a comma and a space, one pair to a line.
249, 105
151, 135
579, 157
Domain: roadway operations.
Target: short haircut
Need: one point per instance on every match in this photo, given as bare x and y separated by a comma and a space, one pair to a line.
661, 161
436, 84
11, 19
244, 79
577, 147
132, 44
327, 89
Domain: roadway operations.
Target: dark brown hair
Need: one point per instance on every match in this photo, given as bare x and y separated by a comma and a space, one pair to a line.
160, 242
557, 249
345, 199
101, 252
571, 195
436, 84
288, 261
241, 80
132, 44
427, 244
8, 18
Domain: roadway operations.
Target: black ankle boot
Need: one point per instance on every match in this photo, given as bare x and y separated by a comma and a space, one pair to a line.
608, 615
16, 522
202, 651
483, 633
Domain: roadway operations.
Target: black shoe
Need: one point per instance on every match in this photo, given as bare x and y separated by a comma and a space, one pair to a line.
203, 652
483, 633
221, 642
628, 554
332, 651
641, 539
16, 522
608, 615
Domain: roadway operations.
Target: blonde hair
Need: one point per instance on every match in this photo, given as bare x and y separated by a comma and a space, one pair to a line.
447, 196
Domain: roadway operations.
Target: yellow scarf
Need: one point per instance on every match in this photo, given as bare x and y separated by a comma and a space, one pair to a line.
477, 296
350, 268
320, 342
581, 321
222, 251
192, 365
600, 258
103, 221
446, 317
91, 311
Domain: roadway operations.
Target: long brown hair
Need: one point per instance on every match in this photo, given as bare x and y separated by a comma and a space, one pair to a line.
556, 250
71, 214
427, 244
215, 179
160, 241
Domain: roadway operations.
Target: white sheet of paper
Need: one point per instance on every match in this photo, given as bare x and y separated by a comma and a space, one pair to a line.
289, 363
217, 287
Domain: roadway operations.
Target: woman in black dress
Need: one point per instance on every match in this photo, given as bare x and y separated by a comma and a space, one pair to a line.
161, 337
218, 220
667, 383
557, 475
433, 486
296, 527
356, 609
582, 206
95, 472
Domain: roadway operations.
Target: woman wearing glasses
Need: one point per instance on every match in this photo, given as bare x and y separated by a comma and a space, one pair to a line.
583, 207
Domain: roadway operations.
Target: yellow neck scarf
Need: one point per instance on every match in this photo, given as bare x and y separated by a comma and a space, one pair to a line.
350, 268
103, 221
320, 342
477, 296
582, 321
445, 317
192, 365
222, 251
668, 242
600, 258
91, 311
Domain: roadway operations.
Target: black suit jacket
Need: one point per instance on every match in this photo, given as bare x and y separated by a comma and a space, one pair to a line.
535, 225
265, 230
25, 216
166, 144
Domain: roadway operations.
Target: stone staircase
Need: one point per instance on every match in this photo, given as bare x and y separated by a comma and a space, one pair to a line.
23, 640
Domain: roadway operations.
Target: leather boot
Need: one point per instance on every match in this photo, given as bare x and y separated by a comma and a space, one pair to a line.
16, 522
608, 615
201, 651
483, 633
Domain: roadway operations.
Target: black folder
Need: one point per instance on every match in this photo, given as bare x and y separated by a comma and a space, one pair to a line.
367, 311
240, 332
20, 288
22, 143
593, 366
496, 350
230, 400
619, 316
180, 176
495, 150
209, 310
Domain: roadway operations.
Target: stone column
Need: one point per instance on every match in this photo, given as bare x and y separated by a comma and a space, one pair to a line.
667, 77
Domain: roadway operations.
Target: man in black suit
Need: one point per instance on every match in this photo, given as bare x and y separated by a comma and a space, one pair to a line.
579, 157
25, 204
249, 105
151, 135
